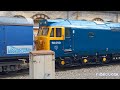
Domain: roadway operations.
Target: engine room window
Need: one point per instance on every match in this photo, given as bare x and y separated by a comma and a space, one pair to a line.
67, 32
52, 33
91, 34
58, 32
115, 29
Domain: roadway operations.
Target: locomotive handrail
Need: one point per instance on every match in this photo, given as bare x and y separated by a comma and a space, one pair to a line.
68, 21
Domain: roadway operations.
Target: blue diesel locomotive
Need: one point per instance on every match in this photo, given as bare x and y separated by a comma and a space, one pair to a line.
79, 42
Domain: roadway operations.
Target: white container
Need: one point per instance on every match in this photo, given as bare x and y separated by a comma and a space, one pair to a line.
42, 64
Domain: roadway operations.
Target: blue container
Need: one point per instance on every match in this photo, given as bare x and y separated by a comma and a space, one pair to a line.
16, 37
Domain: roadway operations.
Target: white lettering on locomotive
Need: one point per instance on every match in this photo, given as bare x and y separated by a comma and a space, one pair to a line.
56, 42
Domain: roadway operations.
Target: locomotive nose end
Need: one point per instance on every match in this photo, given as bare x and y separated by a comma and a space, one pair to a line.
41, 41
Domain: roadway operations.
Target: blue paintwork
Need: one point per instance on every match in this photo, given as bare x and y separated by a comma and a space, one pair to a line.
74, 23
15, 34
57, 47
2, 35
104, 41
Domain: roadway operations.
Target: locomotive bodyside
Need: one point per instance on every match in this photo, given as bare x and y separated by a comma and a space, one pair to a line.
77, 42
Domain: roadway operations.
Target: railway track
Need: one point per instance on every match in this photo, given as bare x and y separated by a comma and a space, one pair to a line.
84, 72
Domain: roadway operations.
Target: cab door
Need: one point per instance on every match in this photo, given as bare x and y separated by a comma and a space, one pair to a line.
68, 42
57, 40
2, 42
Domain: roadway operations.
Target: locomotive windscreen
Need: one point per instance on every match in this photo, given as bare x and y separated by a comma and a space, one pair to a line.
43, 31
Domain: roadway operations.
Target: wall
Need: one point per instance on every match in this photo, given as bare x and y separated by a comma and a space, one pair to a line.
88, 15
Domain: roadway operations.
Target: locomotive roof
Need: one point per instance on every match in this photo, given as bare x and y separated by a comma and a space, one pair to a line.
81, 24
16, 21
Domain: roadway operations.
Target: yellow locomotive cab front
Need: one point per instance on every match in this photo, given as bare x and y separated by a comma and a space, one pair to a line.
42, 39
47, 33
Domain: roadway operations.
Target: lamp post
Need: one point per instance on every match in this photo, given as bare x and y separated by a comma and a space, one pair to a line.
116, 17
77, 15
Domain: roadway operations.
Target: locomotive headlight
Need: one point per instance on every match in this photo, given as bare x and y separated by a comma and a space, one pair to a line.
104, 59
85, 60
62, 62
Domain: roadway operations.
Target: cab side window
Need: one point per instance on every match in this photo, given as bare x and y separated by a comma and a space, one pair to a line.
67, 32
52, 33
58, 32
